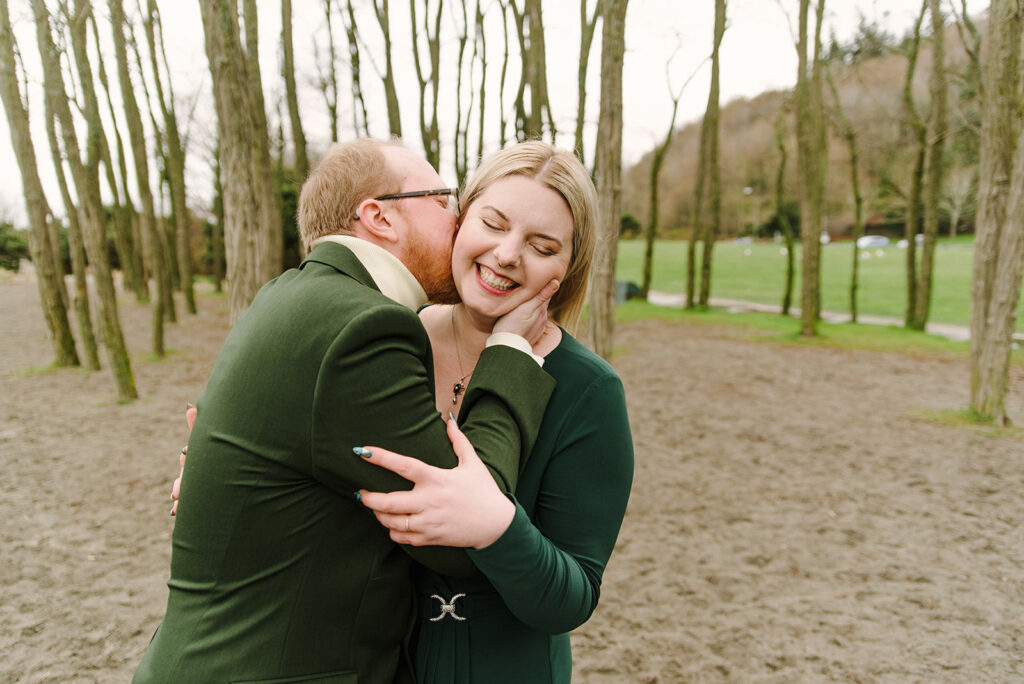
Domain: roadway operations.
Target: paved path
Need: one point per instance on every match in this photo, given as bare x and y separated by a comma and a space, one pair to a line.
954, 332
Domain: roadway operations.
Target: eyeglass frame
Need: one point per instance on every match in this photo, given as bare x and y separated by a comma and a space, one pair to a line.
422, 193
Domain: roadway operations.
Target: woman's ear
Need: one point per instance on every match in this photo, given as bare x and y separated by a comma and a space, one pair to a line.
375, 219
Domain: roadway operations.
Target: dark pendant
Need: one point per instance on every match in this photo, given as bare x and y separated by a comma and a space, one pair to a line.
456, 391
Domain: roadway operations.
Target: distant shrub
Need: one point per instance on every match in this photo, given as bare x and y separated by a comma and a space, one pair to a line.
13, 246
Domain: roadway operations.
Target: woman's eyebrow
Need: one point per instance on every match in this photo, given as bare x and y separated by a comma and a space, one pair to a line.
497, 211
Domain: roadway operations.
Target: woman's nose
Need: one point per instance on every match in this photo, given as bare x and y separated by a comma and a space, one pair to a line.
507, 252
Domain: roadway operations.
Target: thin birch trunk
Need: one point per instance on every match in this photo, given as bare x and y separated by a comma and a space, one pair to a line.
609, 177
50, 281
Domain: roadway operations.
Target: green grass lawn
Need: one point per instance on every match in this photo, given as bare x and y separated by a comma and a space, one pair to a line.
756, 273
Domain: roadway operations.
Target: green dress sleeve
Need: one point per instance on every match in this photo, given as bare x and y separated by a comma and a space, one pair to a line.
374, 389
548, 570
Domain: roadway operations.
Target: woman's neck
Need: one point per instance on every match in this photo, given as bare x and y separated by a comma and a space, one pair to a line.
470, 332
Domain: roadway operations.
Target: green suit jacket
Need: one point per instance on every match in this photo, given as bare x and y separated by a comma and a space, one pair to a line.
277, 572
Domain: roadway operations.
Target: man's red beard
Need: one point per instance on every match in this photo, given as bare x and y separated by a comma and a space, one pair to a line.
433, 271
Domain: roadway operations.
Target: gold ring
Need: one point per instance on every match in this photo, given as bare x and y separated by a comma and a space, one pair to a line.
408, 517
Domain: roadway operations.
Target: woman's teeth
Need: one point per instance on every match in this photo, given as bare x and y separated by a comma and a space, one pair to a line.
494, 280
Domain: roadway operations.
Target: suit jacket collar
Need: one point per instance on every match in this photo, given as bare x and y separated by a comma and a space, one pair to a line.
370, 265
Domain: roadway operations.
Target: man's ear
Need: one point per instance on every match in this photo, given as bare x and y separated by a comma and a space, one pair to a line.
375, 219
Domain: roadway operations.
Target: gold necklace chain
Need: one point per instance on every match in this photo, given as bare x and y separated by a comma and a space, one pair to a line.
459, 387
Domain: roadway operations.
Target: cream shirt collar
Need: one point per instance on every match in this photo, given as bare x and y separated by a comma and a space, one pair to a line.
395, 281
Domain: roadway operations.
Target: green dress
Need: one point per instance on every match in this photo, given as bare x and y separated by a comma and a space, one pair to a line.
542, 578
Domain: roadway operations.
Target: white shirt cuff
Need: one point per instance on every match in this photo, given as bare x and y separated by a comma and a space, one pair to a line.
515, 341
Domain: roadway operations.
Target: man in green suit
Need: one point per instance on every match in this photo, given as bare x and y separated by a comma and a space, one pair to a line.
278, 574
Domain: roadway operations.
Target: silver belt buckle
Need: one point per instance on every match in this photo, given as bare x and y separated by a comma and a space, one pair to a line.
447, 608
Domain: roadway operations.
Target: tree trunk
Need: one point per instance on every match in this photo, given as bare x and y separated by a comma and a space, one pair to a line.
811, 159
175, 157
502, 122
846, 131
587, 28
125, 218
609, 177
359, 123
935, 168
652, 220
696, 217
329, 80
390, 91
462, 123
480, 47
920, 136
87, 186
291, 93
711, 121
97, 144
780, 212
429, 132
245, 238
140, 161
52, 291
76, 249
217, 230
999, 241
267, 198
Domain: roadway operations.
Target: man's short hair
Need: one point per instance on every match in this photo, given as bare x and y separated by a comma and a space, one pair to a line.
346, 175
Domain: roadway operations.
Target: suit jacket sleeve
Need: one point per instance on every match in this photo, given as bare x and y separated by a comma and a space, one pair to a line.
374, 389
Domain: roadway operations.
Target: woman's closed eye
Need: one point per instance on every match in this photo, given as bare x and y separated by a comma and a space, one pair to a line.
543, 249
496, 227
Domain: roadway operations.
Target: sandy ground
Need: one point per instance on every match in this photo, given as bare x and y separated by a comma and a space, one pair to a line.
793, 518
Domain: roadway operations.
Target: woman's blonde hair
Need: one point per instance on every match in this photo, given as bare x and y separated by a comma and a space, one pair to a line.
562, 172
346, 175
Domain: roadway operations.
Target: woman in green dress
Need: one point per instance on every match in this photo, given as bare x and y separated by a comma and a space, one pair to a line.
528, 216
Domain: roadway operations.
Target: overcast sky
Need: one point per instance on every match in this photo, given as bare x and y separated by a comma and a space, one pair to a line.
757, 55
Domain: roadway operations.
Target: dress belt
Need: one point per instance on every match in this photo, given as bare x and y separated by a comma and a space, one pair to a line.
459, 607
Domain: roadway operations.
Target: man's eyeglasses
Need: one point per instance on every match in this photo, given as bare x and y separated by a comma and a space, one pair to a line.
452, 192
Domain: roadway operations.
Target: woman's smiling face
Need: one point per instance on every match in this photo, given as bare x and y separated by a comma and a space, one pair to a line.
514, 238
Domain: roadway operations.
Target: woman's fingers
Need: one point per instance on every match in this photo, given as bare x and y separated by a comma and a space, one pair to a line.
391, 503
411, 469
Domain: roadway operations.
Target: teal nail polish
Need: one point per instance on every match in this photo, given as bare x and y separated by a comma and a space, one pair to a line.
452, 416
360, 451
359, 497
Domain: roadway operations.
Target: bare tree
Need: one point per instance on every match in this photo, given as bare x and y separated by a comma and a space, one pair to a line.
960, 195
502, 122
291, 92
533, 71
76, 246
999, 241
140, 161
52, 291
935, 168
390, 91
327, 74
429, 132
360, 119
811, 160
135, 270
268, 202
714, 169
844, 127
175, 157
239, 115
588, 25
609, 176
655, 179
919, 131
780, 208
87, 186
461, 138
